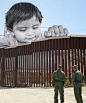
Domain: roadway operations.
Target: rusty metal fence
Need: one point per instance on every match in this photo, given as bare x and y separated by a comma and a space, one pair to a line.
32, 64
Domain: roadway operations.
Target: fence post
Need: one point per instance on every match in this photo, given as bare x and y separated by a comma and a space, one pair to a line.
16, 67
2, 68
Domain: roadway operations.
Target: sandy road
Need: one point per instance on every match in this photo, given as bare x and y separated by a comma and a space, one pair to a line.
35, 95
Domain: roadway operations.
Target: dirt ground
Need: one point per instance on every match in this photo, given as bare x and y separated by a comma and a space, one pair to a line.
36, 95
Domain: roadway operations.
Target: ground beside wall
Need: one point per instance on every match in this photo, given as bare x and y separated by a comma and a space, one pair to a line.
36, 95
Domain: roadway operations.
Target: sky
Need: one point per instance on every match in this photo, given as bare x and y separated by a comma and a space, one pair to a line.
71, 14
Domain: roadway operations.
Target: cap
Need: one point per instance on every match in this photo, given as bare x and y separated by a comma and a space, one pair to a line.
59, 66
75, 66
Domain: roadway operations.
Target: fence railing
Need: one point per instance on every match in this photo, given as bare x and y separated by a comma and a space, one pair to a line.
32, 64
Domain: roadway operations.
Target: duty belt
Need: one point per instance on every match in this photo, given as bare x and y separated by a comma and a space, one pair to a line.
58, 81
76, 81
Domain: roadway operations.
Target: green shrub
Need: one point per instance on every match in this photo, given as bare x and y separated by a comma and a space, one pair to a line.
68, 83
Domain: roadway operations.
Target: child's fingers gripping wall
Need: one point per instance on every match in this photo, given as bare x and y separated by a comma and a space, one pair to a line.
55, 31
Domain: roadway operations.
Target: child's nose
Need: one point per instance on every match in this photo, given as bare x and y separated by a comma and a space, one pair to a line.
29, 32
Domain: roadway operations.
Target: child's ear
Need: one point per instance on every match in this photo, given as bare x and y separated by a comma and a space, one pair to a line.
12, 33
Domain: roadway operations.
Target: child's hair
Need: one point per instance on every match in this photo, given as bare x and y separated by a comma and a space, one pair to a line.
21, 11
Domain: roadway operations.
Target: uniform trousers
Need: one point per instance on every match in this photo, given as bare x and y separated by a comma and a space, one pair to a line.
78, 92
59, 87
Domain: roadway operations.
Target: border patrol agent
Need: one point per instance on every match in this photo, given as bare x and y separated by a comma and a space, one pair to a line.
59, 78
77, 79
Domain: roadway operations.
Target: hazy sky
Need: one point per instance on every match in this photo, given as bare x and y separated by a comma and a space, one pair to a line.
69, 13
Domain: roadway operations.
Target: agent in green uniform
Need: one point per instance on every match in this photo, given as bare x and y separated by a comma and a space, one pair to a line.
59, 78
77, 79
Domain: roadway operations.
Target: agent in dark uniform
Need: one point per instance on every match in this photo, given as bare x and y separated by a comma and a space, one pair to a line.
59, 78
77, 79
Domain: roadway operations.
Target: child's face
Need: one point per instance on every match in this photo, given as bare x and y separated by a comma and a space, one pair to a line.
28, 30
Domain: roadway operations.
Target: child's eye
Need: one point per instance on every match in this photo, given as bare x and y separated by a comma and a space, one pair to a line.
23, 29
35, 27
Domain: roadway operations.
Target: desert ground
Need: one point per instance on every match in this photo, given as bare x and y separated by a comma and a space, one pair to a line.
36, 95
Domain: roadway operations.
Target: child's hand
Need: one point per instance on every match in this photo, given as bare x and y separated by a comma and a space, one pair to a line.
55, 31
9, 40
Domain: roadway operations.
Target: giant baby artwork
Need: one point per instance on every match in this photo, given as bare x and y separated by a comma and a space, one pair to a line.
29, 56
